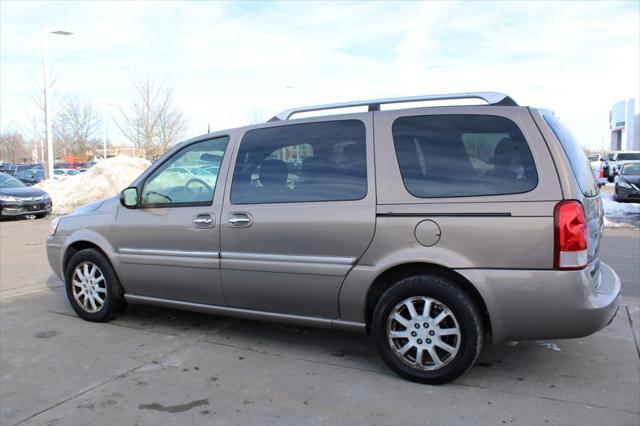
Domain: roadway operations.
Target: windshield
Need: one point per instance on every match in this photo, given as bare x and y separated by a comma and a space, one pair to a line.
7, 181
626, 156
631, 169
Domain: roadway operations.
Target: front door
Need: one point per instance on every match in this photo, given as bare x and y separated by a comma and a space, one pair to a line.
298, 214
169, 246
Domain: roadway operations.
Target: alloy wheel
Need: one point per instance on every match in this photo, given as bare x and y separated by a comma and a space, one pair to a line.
89, 286
424, 333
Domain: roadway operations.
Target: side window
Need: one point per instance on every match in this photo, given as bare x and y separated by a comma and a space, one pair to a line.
187, 178
463, 156
575, 154
324, 161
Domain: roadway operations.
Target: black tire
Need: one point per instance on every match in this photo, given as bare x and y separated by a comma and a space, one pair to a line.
41, 215
453, 297
114, 302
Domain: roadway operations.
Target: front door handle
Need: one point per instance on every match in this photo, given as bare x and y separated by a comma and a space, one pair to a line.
240, 219
204, 221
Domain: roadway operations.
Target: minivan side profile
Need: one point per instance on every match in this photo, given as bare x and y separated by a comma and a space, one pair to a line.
434, 229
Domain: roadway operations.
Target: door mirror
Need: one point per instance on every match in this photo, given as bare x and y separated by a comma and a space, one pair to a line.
129, 197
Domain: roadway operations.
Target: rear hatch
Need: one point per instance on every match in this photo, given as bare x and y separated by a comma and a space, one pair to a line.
590, 197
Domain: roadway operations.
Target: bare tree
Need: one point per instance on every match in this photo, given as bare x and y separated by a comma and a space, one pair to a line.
153, 123
33, 124
75, 127
13, 148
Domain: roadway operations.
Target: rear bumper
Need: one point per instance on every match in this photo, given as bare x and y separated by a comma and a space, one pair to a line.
528, 305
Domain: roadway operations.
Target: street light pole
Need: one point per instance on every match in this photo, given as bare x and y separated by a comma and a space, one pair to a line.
104, 132
47, 119
106, 115
47, 106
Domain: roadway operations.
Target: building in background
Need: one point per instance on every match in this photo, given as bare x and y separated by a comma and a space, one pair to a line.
624, 123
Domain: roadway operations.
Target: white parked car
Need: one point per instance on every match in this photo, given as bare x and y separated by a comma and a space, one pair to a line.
615, 161
63, 173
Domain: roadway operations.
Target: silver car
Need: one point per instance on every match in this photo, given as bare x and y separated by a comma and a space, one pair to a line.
348, 221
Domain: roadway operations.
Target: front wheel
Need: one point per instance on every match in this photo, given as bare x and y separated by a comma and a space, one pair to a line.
93, 289
427, 329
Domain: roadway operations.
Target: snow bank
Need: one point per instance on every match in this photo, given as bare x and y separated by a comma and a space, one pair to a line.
618, 215
103, 180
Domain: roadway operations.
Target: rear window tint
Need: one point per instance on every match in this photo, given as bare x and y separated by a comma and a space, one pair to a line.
575, 154
463, 156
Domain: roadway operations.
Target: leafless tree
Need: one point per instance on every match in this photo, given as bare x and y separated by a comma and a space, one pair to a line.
13, 148
33, 125
75, 127
153, 123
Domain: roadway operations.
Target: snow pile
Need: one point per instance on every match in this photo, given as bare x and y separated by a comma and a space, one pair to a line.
106, 179
618, 215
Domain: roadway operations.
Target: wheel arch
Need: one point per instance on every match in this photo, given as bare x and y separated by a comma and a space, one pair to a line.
395, 273
77, 246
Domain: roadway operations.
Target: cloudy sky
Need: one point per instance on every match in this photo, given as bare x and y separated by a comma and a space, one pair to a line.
232, 63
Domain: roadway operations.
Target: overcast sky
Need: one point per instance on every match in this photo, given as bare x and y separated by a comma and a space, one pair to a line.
233, 62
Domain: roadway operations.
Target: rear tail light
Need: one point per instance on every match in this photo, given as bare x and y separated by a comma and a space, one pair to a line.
601, 175
570, 236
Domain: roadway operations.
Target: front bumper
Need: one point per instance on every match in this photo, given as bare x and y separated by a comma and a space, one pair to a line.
54, 254
627, 194
22, 209
530, 305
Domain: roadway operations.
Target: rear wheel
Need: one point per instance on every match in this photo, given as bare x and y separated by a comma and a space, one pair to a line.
93, 289
427, 329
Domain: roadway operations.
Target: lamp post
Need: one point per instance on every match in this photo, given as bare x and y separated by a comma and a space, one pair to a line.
106, 115
47, 112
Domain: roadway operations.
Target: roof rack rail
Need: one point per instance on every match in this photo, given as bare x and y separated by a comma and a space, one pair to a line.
492, 98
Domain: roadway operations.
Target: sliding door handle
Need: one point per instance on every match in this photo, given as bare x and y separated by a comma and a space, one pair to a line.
240, 219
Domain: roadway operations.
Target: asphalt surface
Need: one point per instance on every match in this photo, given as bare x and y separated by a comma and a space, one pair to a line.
620, 249
161, 366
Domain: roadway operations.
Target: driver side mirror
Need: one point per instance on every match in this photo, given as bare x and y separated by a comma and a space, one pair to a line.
129, 197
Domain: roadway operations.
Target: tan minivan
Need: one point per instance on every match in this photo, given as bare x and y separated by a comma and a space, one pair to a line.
432, 228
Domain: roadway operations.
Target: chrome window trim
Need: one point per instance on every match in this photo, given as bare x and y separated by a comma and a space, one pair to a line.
288, 258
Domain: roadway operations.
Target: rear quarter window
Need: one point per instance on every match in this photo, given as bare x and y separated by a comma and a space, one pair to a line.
575, 154
463, 155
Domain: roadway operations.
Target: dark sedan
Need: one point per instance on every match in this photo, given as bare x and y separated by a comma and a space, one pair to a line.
8, 168
30, 176
18, 199
628, 183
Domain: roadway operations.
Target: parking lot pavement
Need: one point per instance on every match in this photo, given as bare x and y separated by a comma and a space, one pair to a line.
160, 366
620, 248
